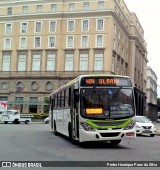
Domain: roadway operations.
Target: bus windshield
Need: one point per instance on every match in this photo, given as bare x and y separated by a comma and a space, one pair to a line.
105, 103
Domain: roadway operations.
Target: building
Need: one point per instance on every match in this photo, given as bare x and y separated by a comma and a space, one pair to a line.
45, 43
151, 93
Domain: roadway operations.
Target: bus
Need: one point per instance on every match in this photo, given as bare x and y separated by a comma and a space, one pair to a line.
94, 108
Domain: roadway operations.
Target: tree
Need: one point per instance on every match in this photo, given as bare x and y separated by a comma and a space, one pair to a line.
47, 104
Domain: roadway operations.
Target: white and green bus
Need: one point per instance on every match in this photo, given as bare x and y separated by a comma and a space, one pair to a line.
97, 107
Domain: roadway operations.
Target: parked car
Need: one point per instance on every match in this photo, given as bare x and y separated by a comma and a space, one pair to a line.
145, 126
46, 120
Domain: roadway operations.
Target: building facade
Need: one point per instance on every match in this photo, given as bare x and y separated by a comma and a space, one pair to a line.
151, 93
44, 44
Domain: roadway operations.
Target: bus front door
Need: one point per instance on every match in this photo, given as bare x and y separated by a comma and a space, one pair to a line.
74, 117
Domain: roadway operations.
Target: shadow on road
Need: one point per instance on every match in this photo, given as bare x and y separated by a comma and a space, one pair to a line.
95, 144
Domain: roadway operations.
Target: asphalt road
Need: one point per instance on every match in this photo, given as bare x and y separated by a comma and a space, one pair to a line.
35, 142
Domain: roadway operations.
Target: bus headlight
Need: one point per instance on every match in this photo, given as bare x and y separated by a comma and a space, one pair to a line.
86, 126
130, 126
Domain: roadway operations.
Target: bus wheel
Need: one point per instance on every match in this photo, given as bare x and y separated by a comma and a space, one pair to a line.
115, 142
55, 129
5, 122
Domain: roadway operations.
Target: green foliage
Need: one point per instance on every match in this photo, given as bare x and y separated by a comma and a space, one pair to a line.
46, 100
46, 107
40, 115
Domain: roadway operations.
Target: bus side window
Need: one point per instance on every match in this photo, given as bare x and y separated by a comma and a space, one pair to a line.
64, 101
69, 97
56, 101
60, 100
66, 97
52, 103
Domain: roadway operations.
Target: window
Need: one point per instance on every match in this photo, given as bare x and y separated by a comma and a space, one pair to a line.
70, 26
66, 97
118, 63
99, 41
6, 62
69, 61
34, 98
113, 62
84, 41
9, 11
85, 5
70, 41
21, 62
37, 43
25, 9
83, 61
98, 60
3, 98
51, 60
8, 29
51, 41
121, 67
71, 6
4, 85
39, 8
34, 86
53, 7
38, 27
7, 43
24, 27
100, 25
126, 69
20, 86
100, 4
52, 26
49, 86
85, 25
18, 99
23, 42
36, 62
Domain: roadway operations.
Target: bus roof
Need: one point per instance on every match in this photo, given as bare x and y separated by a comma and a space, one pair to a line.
75, 80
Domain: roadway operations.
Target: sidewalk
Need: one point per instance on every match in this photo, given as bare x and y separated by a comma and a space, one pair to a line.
37, 121
157, 124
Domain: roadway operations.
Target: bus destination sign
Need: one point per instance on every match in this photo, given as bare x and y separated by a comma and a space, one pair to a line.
105, 81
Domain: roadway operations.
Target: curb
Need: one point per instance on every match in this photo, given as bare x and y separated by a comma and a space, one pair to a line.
37, 122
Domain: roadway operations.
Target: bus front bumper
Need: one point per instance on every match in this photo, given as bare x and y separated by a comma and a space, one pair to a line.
106, 135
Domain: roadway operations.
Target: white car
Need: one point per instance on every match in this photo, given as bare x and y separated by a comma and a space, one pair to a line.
46, 120
145, 126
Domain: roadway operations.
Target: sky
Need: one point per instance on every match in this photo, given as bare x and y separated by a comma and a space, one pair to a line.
148, 13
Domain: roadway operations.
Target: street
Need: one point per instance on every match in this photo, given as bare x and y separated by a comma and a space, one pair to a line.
35, 142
